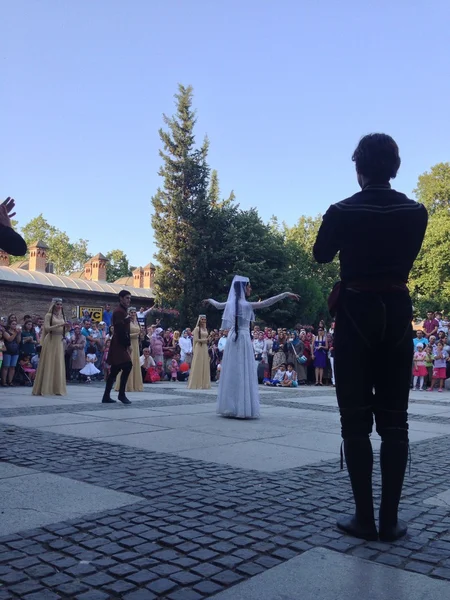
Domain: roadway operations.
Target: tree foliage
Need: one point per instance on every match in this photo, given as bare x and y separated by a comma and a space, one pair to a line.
66, 255
433, 188
203, 239
430, 276
117, 265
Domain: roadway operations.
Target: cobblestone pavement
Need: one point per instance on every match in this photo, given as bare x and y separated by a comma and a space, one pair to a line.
200, 527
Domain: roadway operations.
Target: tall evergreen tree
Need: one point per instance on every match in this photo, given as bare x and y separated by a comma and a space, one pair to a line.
181, 212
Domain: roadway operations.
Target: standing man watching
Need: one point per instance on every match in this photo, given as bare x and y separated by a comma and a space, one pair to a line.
10, 241
119, 356
107, 316
378, 233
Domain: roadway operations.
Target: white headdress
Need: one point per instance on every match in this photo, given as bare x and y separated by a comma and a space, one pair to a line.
237, 305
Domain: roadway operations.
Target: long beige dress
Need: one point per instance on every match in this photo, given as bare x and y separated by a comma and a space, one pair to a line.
51, 373
134, 383
200, 375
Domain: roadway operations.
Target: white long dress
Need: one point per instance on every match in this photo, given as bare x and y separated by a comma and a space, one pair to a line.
238, 385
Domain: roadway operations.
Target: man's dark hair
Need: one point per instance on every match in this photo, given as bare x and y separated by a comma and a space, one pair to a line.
124, 293
377, 158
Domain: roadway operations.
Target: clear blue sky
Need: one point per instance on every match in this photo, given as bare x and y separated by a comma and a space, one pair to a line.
283, 89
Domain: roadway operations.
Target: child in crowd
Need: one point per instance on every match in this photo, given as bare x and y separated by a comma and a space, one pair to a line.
174, 368
290, 377
105, 366
2, 348
27, 367
440, 367
219, 368
90, 369
429, 364
278, 378
420, 369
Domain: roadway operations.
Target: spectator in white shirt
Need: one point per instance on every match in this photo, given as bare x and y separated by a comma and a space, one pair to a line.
223, 341
185, 343
146, 361
260, 347
142, 314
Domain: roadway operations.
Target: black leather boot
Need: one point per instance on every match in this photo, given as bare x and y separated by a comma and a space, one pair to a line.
123, 398
123, 383
359, 459
393, 461
106, 395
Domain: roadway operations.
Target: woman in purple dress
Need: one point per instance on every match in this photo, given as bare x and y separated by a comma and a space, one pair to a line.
320, 354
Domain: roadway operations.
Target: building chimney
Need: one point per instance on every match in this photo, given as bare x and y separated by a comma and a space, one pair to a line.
4, 258
88, 270
98, 267
138, 277
38, 257
149, 276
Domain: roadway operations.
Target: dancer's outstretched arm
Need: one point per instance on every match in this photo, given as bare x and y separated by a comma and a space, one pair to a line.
273, 300
218, 305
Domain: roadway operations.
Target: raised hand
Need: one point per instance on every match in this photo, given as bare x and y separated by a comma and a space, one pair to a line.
205, 302
5, 211
295, 297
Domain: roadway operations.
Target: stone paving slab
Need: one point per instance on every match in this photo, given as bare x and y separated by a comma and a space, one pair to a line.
259, 456
327, 575
442, 499
31, 499
103, 429
47, 420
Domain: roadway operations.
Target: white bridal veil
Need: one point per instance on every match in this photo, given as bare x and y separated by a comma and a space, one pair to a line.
237, 305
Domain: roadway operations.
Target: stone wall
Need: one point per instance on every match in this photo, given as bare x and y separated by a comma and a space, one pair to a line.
35, 299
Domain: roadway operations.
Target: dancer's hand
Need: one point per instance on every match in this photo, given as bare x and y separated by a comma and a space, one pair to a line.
295, 297
5, 211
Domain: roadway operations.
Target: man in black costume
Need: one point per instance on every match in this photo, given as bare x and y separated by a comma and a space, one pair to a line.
10, 241
378, 233
119, 355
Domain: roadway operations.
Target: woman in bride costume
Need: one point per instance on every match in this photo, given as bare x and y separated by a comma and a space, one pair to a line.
238, 386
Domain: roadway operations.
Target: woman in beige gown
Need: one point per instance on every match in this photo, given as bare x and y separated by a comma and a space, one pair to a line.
200, 375
134, 383
51, 373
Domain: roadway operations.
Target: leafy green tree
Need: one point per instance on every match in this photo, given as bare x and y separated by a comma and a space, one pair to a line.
117, 265
304, 234
433, 188
430, 276
65, 254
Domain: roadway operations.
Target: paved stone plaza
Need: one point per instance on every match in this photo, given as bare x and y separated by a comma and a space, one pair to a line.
164, 499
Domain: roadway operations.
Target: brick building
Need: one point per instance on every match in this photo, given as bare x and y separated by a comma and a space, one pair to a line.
27, 287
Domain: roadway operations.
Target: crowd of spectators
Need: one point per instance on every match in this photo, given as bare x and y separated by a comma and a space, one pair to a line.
303, 355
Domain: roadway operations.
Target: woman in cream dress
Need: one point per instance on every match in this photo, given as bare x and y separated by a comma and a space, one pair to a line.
51, 373
200, 375
134, 383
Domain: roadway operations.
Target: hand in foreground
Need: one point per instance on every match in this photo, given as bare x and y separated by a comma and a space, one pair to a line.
295, 297
5, 211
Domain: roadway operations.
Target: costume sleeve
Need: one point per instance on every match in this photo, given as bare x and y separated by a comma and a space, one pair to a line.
269, 301
120, 328
327, 242
11, 242
218, 305
196, 336
47, 325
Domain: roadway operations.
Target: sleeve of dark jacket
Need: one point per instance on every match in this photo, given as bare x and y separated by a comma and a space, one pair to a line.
11, 242
121, 328
327, 241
